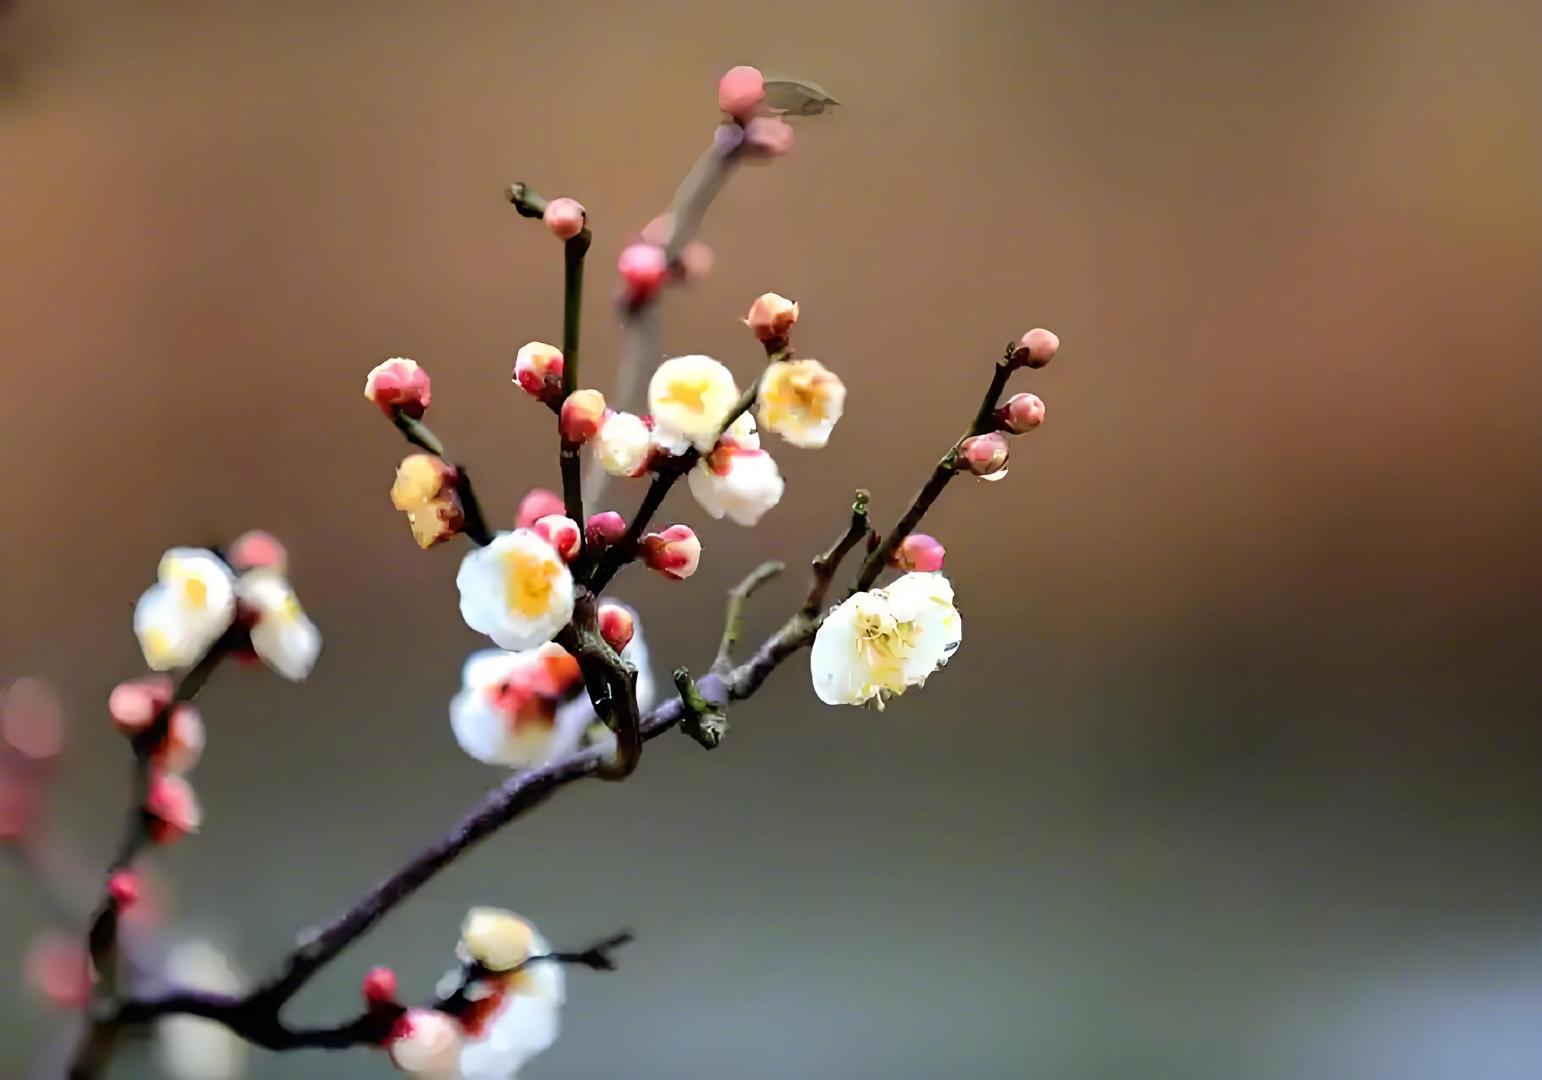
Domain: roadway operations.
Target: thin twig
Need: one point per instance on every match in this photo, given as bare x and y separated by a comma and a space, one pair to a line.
825, 565
733, 623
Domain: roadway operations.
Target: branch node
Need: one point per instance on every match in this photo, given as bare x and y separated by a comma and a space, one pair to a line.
703, 721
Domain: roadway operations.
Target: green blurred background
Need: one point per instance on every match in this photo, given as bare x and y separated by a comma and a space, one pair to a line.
1237, 772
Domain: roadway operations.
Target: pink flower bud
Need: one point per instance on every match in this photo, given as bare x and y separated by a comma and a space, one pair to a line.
565, 218
768, 136
135, 703
986, 455
537, 503
123, 887
616, 625
32, 720
1035, 349
643, 268
582, 414
659, 229
538, 370
184, 741
675, 552
740, 92
425, 1042
604, 529
172, 808
918, 552
57, 967
255, 548
379, 986
561, 532
772, 317
399, 385
1022, 413
696, 261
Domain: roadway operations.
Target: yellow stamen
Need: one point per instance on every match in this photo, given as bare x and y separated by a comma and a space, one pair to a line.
528, 580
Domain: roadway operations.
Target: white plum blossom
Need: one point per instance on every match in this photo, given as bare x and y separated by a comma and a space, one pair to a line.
188, 1048
737, 479
516, 590
878, 644
801, 400
623, 444
690, 397
514, 1015
426, 1043
283, 636
191, 604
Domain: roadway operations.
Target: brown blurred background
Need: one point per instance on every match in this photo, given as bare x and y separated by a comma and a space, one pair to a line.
1237, 773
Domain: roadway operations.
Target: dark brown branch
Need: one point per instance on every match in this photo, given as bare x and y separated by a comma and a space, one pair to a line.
825, 565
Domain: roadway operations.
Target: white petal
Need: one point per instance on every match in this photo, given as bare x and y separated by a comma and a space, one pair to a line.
484, 595
927, 600
839, 673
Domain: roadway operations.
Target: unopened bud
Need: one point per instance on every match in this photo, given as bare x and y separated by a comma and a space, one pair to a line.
538, 370
918, 552
674, 552
616, 625
986, 455
172, 808
123, 887
58, 968
1022, 413
379, 986
399, 385
696, 261
582, 414
768, 136
740, 92
183, 745
537, 503
31, 720
133, 704
1035, 349
561, 532
604, 529
643, 268
256, 548
565, 217
497, 939
771, 318
426, 1042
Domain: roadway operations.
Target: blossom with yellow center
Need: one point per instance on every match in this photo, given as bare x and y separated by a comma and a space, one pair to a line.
283, 636
876, 645
425, 490
191, 604
516, 590
801, 400
514, 1014
690, 397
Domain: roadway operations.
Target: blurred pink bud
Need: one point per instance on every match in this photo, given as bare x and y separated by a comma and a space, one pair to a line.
565, 217
643, 268
696, 261
659, 230
18, 806
918, 552
538, 370
604, 529
256, 548
172, 808
537, 503
184, 741
1022, 413
32, 719
425, 1042
1035, 349
123, 887
616, 625
399, 385
582, 414
57, 967
379, 986
134, 703
675, 552
768, 136
986, 455
772, 317
740, 92
561, 532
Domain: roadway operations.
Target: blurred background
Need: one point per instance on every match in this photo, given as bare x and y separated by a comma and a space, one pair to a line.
1237, 773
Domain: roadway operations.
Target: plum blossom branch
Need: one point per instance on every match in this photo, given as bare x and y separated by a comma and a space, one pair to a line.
738, 599
418, 434
826, 564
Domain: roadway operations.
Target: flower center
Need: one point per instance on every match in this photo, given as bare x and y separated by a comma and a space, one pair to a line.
885, 642
195, 593
691, 393
528, 580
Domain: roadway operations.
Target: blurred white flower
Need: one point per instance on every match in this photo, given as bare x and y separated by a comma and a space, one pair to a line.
506, 711
689, 397
191, 604
282, 635
877, 644
516, 1015
801, 400
426, 1043
624, 444
188, 1048
516, 590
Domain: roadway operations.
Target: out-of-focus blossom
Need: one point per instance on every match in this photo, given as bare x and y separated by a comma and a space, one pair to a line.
582, 414
172, 808
516, 590
604, 529
696, 261
184, 613
57, 967
426, 1043
538, 370
740, 91
399, 385
624, 445
188, 1048
801, 400
565, 217
1020, 414
515, 1015
32, 719
283, 636
690, 397
737, 479
986, 455
561, 532
256, 548
768, 136
771, 318
673, 552
134, 703
123, 887
918, 552
877, 644
1035, 348
616, 625
184, 742
506, 710
498, 940
427, 491
644, 268
537, 503
378, 986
